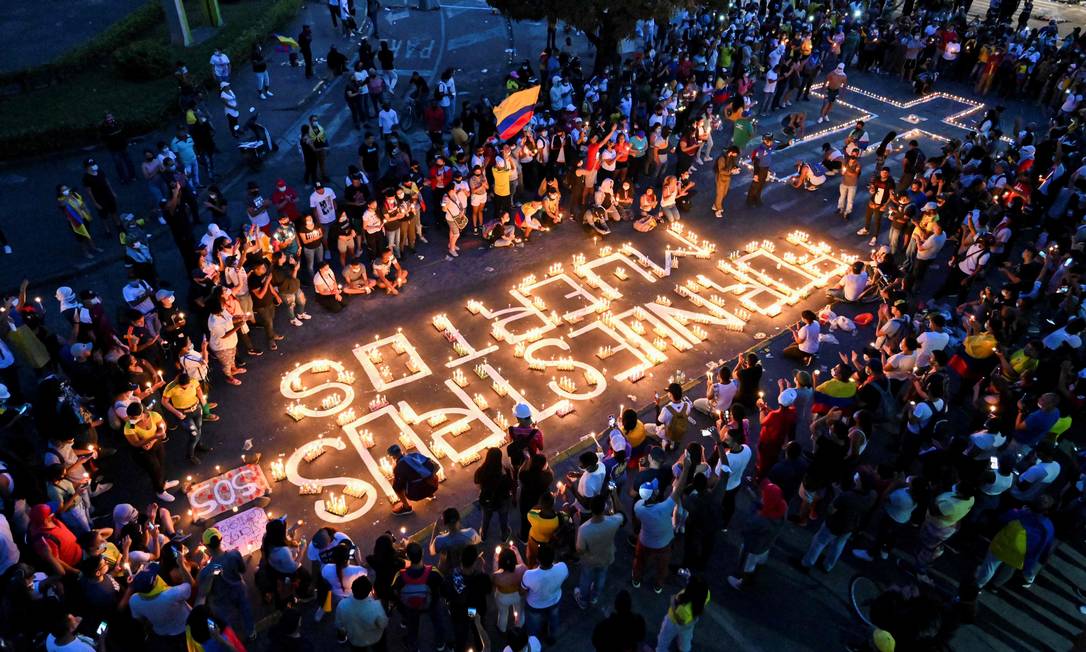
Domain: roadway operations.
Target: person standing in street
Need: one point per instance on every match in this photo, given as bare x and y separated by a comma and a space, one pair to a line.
101, 194
850, 179
319, 139
265, 299
762, 159
387, 58
260, 69
74, 209
361, 619
229, 107
835, 82
117, 144
727, 164
373, 7
305, 46
596, 547
220, 65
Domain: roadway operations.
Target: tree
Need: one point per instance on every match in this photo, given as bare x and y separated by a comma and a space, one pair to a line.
605, 22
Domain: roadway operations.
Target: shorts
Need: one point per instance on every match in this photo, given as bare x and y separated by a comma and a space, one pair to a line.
810, 496
226, 357
343, 244
454, 230
478, 199
832, 93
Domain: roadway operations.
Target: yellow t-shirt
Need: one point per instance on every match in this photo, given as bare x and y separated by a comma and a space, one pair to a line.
181, 397
542, 528
138, 435
980, 346
501, 182
637, 435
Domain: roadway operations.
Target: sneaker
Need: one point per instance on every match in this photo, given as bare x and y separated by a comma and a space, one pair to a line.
872, 242
718, 213
735, 582
862, 231
170, 484
256, 353
270, 94
657, 589
296, 322
101, 488
165, 497
263, 96
305, 315
402, 510
820, 120
423, 239
883, 555
636, 583
7, 249
1026, 584
862, 554
273, 346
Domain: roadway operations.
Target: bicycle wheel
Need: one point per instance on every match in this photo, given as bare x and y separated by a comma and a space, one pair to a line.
862, 591
407, 119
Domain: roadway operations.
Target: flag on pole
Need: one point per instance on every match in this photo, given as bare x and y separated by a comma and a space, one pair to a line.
286, 43
515, 111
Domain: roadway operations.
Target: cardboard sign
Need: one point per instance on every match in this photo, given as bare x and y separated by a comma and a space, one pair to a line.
243, 532
235, 488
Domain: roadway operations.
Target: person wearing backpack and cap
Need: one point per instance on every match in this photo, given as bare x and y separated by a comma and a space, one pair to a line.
221, 583
525, 432
414, 477
672, 417
418, 590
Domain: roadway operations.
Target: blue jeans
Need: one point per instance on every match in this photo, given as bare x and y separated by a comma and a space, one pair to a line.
536, 618
683, 635
591, 582
823, 539
263, 81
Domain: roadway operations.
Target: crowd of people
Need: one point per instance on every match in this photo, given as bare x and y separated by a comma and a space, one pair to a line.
948, 427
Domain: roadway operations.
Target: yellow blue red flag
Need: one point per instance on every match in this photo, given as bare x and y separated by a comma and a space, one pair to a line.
515, 111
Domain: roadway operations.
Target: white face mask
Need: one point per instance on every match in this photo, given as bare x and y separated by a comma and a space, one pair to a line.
94, 169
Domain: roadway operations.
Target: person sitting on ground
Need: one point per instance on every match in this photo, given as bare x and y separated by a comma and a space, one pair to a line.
793, 126
596, 218
832, 159
810, 176
499, 232
387, 272
355, 278
326, 289
853, 286
605, 200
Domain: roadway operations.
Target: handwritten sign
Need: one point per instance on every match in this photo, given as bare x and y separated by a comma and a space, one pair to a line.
244, 531
235, 488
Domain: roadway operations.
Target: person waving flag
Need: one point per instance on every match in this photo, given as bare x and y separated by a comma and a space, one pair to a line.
515, 111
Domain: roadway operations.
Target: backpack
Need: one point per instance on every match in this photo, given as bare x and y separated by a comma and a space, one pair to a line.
888, 407
415, 593
425, 485
676, 427
526, 437
905, 329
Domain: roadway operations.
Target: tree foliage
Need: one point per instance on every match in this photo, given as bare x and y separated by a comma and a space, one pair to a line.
604, 22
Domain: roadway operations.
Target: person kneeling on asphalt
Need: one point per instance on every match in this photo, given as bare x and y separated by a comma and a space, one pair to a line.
414, 477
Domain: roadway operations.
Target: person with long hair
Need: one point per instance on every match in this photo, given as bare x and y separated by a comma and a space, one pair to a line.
340, 574
682, 616
508, 570
534, 481
385, 561
495, 483
281, 560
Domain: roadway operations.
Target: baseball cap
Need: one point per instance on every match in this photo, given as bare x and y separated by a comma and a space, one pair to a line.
318, 184
787, 397
211, 533
931, 206
163, 294
79, 349
522, 411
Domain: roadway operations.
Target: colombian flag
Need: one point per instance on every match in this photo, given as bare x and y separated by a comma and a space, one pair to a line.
515, 111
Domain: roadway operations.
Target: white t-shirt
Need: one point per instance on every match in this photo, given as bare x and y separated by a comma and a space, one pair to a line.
987, 441
1056, 338
218, 325
341, 589
725, 394
899, 366
79, 644
808, 337
591, 484
975, 257
533, 646
734, 464
1039, 476
388, 118
544, 587
312, 553
930, 341
167, 611
324, 206
680, 408
853, 285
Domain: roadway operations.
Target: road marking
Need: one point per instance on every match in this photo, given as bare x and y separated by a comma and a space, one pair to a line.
473, 38
717, 615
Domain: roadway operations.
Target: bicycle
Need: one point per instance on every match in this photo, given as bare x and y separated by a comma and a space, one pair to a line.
862, 592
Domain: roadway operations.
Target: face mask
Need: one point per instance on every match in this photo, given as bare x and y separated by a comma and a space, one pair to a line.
66, 192
282, 188
94, 169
